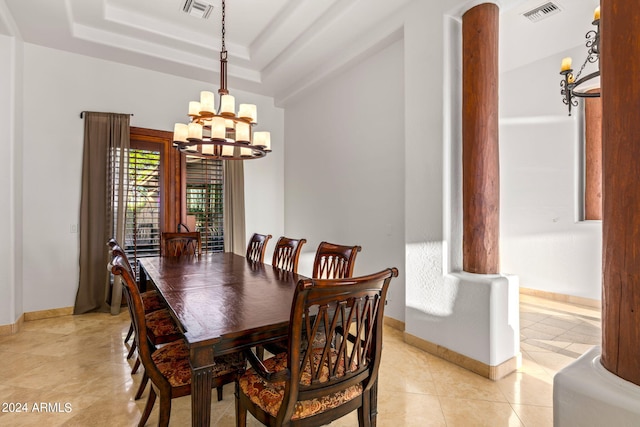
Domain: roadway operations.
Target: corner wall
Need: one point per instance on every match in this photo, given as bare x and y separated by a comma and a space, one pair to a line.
11, 306
344, 178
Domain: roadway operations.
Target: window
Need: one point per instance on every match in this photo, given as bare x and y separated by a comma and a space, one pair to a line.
166, 189
204, 201
142, 229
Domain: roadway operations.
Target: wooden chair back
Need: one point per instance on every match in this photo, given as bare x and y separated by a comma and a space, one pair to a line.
352, 310
257, 246
287, 253
180, 244
334, 261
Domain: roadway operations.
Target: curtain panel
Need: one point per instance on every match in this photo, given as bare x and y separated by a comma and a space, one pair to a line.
234, 224
102, 208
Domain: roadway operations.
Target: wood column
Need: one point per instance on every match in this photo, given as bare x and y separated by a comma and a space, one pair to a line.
620, 82
593, 158
480, 166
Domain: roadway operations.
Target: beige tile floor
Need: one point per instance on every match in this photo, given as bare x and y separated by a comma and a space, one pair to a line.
79, 361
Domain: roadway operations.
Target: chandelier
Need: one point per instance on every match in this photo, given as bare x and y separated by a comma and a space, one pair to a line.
589, 85
220, 133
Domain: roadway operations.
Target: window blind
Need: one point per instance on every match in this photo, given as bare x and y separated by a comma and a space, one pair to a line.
205, 186
142, 232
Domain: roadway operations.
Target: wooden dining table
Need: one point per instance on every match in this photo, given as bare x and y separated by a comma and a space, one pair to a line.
223, 303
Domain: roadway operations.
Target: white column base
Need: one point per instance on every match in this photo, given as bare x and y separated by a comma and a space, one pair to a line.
585, 394
474, 315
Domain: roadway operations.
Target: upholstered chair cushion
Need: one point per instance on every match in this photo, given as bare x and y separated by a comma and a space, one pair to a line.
161, 327
152, 301
268, 396
173, 361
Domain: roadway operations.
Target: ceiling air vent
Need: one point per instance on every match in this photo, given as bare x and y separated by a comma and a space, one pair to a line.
541, 12
198, 8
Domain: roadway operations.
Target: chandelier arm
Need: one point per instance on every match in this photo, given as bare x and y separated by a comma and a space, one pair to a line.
570, 83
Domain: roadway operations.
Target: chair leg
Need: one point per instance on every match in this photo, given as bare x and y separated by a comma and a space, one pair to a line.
165, 411
142, 386
241, 412
219, 390
148, 407
364, 411
135, 366
129, 333
132, 349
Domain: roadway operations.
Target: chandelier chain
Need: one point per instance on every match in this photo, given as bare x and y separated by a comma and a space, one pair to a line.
224, 48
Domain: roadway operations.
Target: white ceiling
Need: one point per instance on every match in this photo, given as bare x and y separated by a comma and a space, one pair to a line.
276, 47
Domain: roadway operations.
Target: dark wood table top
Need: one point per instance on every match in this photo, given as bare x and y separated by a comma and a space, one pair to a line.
224, 300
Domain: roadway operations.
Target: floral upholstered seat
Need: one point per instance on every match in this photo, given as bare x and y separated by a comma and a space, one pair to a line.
268, 396
161, 327
172, 361
152, 301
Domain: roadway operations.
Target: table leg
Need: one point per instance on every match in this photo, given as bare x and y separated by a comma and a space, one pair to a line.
201, 397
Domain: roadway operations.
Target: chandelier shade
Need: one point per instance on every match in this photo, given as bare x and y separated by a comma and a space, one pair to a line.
578, 86
217, 131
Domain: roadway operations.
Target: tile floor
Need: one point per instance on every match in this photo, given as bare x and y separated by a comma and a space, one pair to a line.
76, 366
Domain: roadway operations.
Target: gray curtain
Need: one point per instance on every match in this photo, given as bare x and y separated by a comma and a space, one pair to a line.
104, 173
234, 225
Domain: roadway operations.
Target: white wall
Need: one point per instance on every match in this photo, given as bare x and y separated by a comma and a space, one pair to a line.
543, 240
344, 178
10, 303
58, 86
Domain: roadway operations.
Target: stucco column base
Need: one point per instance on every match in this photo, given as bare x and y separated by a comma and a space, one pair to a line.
478, 329
585, 394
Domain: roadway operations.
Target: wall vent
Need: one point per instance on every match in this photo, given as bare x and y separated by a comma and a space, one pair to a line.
541, 12
198, 8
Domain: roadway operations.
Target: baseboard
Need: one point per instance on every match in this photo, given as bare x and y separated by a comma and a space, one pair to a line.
570, 299
488, 371
45, 314
394, 323
14, 328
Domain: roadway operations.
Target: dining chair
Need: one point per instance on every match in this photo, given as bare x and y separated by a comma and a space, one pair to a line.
285, 257
179, 244
151, 300
331, 262
168, 367
313, 384
286, 253
334, 261
161, 329
257, 246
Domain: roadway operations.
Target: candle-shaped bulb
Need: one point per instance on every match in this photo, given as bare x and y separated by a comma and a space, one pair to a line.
194, 108
227, 105
207, 103
218, 129
195, 131
248, 111
262, 139
180, 132
242, 132
566, 64
596, 14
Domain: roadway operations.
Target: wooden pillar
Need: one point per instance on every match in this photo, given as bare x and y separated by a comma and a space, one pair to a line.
480, 168
593, 158
620, 82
